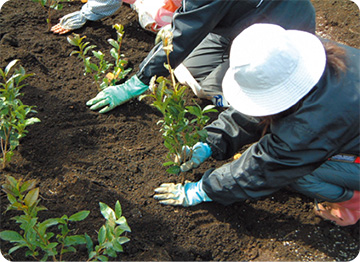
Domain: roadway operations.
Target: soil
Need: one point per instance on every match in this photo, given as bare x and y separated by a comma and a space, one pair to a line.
81, 158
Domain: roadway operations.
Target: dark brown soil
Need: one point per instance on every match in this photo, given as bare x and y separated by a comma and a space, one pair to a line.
81, 157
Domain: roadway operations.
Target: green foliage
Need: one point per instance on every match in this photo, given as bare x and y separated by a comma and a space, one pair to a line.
49, 6
182, 124
99, 71
34, 235
13, 113
109, 237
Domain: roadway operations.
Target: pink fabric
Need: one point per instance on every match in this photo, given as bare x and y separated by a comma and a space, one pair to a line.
343, 213
130, 2
164, 15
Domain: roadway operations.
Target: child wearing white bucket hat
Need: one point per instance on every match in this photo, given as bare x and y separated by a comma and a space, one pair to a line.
296, 100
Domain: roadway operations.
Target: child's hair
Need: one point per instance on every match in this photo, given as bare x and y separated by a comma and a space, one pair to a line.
335, 61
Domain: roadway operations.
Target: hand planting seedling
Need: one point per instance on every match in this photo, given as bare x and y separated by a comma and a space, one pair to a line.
34, 235
99, 71
182, 125
49, 6
13, 112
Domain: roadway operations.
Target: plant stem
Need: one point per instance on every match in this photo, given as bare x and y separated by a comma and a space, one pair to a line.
4, 146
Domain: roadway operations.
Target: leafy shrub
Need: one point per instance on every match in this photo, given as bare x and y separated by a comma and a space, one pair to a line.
24, 197
13, 112
99, 71
182, 124
49, 6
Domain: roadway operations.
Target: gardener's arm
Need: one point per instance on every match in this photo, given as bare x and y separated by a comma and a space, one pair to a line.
93, 10
231, 131
226, 136
191, 23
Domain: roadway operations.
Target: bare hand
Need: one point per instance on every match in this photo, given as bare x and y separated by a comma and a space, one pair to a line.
58, 29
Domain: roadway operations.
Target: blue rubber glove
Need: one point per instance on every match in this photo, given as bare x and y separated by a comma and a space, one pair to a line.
114, 96
200, 152
186, 195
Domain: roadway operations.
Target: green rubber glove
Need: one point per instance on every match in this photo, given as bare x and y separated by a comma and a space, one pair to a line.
186, 195
114, 96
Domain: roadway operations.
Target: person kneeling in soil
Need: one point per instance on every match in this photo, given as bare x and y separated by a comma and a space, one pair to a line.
202, 33
295, 99
153, 14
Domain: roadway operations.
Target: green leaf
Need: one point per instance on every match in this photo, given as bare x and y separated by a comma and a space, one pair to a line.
27, 185
118, 211
106, 211
11, 181
117, 246
68, 250
92, 254
98, 54
52, 245
31, 197
114, 54
123, 240
75, 240
79, 216
103, 258
47, 223
31, 121
173, 170
170, 163
89, 243
93, 67
110, 251
124, 226
73, 39
10, 65
209, 108
194, 110
12, 236
114, 43
102, 234
11, 199
11, 250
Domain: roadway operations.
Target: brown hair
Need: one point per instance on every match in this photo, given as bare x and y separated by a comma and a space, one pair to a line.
335, 61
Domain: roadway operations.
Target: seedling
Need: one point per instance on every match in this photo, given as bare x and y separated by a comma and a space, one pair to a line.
49, 6
34, 235
13, 112
103, 78
182, 125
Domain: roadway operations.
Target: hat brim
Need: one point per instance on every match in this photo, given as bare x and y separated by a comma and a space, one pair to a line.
281, 97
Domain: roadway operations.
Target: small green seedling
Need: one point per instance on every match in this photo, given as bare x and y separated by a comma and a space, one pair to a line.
49, 6
104, 73
43, 244
110, 240
182, 124
13, 113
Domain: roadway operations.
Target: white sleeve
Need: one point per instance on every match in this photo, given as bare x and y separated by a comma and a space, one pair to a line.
73, 21
96, 9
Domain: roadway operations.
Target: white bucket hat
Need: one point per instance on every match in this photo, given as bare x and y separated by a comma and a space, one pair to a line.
271, 69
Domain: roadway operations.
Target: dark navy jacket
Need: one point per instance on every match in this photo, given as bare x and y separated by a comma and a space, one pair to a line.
197, 18
326, 124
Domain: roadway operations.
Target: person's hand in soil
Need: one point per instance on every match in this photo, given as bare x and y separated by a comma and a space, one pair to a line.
114, 96
200, 152
68, 23
186, 195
